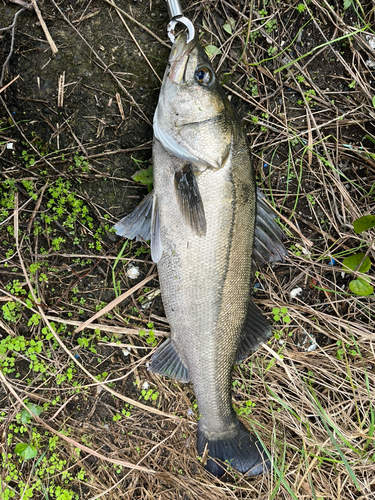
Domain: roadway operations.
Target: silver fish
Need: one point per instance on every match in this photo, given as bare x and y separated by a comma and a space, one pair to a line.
204, 220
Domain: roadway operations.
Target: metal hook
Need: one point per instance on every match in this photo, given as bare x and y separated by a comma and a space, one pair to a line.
177, 16
186, 22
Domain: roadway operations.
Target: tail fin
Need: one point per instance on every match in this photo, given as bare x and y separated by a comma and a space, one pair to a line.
241, 451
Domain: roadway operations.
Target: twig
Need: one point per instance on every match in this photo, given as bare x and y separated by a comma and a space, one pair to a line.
12, 27
115, 302
26, 5
45, 29
9, 83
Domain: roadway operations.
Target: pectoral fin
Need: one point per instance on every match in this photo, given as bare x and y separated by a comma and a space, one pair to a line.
189, 199
156, 246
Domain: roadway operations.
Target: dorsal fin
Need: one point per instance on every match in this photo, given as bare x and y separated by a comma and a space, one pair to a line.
143, 224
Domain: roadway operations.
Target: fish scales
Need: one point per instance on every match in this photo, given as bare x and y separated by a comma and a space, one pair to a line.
202, 221
200, 276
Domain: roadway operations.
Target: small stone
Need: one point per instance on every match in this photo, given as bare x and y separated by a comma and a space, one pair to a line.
132, 272
295, 292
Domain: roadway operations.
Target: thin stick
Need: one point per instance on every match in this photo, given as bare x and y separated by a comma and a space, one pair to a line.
114, 302
45, 29
9, 83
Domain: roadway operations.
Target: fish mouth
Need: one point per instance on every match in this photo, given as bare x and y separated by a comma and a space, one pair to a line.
179, 58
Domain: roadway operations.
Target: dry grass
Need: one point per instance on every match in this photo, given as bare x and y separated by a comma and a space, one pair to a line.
312, 386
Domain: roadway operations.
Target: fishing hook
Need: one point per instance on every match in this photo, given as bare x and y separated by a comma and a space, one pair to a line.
177, 16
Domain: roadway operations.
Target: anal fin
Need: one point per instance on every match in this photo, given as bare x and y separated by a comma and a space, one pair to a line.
189, 199
166, 361
255, 331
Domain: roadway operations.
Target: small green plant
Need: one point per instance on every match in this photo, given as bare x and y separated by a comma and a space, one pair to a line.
149, 394
364, 223
281, 314
80, 162
358, 262
347, 4
301, 8
311, 199
271, 51
150, 339
28, 159
229, 25
212, 50
145, 177
11, 312
295, 250
252, 87
308, 98
126, 411
270, 26
245, 408
340, 354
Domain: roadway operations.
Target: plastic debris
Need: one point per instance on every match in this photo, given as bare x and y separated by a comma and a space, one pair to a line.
308, 343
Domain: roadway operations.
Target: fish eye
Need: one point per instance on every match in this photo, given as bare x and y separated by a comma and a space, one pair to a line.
203, 75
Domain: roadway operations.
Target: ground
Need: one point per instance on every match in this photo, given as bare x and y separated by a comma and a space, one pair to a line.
74, 129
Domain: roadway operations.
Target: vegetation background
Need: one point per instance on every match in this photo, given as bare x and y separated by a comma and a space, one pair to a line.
81, 312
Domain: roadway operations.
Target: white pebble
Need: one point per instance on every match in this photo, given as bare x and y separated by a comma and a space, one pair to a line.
10, 145
132, 272
295, 292
145, 386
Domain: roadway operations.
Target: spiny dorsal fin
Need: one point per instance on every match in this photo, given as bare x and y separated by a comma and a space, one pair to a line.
268, 237
189, 199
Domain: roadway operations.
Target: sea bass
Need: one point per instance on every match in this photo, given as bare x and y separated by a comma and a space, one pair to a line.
206, 231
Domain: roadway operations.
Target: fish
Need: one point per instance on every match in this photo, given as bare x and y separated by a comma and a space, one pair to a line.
209, 228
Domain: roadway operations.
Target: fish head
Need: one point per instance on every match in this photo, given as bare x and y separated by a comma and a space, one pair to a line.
194, 119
